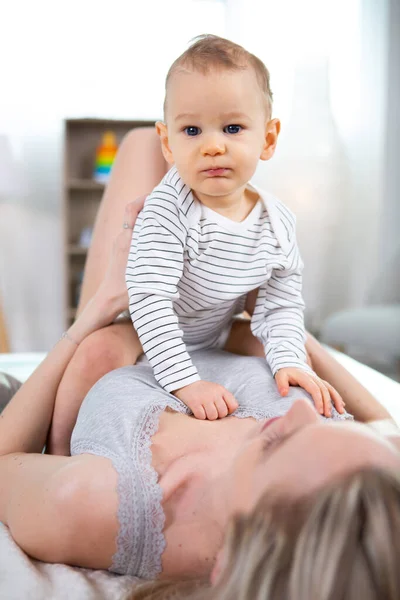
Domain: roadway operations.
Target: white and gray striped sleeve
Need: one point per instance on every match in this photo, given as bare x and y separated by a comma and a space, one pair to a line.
154, 268
278, 319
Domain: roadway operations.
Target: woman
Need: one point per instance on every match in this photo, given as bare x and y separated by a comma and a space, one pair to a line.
139, 167
341, 544
153, 497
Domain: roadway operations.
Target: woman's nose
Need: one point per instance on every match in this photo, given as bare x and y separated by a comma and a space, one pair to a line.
301, 414
212, 146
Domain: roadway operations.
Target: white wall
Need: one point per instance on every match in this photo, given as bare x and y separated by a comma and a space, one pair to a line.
388, 286
336, 163
66, 59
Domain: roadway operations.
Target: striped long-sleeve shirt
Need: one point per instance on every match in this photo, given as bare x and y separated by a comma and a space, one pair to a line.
190, 269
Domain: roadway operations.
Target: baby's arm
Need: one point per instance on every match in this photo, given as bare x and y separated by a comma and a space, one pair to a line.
154, 269
278, 322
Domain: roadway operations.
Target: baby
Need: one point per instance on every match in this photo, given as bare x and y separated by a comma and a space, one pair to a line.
207, 237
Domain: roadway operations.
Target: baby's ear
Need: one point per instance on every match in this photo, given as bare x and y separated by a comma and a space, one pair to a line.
162, 131
272, 130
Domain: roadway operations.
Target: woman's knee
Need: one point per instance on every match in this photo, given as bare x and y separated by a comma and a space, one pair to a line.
102, 351
139, 135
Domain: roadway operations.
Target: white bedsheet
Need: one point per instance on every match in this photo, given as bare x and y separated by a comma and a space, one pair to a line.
22, 577
20, 365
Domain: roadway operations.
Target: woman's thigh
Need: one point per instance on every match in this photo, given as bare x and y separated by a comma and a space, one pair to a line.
242, 341
138, 168
61, 509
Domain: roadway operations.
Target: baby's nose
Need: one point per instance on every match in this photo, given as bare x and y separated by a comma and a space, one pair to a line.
213, 145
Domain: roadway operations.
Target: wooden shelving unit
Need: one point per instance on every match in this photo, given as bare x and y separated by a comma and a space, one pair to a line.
82, 194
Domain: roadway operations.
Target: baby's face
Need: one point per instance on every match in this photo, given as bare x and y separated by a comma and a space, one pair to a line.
216, 132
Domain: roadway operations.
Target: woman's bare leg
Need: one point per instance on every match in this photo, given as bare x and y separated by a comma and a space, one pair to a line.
105, 350
138, 168
359, 401
241, 341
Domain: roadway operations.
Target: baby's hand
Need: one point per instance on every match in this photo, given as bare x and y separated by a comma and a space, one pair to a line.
207, 400
323, 394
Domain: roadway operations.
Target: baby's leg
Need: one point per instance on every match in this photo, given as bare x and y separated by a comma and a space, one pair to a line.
103, 351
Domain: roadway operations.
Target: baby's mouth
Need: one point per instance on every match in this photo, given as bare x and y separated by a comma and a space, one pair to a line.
216, 171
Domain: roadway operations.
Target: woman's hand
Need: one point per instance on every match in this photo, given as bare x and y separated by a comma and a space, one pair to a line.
112, 297
322, 393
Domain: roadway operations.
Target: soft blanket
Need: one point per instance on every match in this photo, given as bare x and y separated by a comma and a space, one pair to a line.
22, 577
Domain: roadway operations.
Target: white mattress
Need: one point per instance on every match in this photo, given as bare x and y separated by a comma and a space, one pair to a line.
20, 365
384, 389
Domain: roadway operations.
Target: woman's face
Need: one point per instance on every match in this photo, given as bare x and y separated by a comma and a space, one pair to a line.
298, 453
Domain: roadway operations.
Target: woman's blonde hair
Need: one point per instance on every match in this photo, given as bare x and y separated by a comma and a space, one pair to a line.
341, 544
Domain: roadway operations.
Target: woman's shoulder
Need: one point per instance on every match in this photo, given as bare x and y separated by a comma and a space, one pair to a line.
132, 387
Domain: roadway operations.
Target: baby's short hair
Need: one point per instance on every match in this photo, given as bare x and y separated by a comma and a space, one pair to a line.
209, 52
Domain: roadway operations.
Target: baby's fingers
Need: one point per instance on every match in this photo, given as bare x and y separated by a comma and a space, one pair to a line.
199, 412
230, 401
312, 387
221, 407
282, 381
336, 398
210, 410
326, 399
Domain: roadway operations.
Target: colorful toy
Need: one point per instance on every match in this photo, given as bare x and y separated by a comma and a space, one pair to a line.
105, 156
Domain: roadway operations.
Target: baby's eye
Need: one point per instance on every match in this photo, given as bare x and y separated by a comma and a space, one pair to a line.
192, 131
232, 128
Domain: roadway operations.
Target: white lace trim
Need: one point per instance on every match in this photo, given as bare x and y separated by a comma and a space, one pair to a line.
155, 541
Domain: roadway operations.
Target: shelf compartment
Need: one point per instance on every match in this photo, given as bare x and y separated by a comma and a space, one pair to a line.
76, 250
81, 185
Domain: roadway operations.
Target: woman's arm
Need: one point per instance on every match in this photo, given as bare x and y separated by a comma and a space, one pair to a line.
25, 422
359, 401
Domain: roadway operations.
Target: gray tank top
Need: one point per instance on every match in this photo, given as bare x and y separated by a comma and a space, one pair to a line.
120, 415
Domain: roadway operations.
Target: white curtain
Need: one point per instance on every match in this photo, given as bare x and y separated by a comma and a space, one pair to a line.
72, 59
328, 62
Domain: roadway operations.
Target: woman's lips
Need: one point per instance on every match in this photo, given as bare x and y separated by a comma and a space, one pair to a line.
269, 422
218, 172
